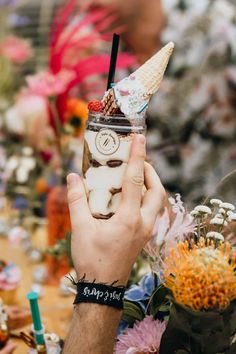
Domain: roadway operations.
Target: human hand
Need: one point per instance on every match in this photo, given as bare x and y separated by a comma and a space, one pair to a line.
9, 348
106, 250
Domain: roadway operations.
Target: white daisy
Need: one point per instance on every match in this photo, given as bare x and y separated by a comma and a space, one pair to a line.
216, 235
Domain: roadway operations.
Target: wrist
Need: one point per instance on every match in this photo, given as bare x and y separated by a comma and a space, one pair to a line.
109, 278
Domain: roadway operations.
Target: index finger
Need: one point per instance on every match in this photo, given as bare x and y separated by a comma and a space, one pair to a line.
77, 201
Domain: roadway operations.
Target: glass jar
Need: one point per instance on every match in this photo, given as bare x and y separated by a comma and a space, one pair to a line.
107, 146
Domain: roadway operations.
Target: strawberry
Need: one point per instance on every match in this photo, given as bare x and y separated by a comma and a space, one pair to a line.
95, 106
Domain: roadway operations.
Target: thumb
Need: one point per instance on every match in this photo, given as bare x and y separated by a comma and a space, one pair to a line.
77, 200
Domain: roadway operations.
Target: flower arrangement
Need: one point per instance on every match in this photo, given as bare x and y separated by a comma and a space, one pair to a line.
190, 299
193, 119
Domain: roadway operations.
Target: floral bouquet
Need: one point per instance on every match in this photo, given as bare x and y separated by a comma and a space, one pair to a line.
188, 304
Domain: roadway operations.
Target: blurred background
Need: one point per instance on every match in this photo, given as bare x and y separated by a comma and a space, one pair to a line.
54, 58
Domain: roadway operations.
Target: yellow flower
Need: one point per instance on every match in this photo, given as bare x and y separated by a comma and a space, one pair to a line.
201, 276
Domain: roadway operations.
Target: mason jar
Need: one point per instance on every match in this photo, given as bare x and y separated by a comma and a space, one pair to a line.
107, 146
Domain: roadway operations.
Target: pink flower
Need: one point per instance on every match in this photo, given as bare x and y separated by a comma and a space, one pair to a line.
48, 84
10, 277
144, 337
168, 232
15, 49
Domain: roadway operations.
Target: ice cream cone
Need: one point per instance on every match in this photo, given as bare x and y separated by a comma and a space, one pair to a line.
152, 71
132, 94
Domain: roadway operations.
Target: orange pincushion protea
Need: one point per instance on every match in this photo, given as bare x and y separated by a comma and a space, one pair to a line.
201, 276
76, 115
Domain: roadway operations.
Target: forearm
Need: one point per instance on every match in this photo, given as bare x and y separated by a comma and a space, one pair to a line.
93, 329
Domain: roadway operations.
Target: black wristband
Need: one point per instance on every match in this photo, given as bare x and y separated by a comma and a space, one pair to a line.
100, 294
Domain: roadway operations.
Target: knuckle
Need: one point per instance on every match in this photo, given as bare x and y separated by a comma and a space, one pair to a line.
162, 194
133, 222
137, 180
73, 196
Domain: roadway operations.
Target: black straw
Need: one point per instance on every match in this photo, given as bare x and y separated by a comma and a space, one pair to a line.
114, 52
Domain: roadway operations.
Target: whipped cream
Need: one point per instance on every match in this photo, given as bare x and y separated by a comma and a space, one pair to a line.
103, 180
131, 97
105, 177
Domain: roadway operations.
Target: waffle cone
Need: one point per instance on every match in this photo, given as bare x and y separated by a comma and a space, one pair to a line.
152, 71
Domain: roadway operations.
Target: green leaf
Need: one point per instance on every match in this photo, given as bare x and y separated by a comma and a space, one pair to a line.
158, 301
132, 312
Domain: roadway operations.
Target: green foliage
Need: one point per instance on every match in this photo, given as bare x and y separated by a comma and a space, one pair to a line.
132, 312
199, 332
159, 302
62, 248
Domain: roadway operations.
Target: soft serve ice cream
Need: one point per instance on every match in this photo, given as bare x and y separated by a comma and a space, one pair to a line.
111, 125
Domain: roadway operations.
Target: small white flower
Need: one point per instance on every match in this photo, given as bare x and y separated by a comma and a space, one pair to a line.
229, 212
228, 206
194, 213
218, 216
218, 221
216, 235
216, 202
232, 217
203, 209
222, 211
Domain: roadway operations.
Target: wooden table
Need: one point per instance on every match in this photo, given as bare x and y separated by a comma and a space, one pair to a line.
56, 310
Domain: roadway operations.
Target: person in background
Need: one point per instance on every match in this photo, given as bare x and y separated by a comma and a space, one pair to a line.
143, 21
104, 251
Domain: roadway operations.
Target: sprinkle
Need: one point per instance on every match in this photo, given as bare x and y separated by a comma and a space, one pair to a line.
143, 107
228, 206
216, 235
203, 209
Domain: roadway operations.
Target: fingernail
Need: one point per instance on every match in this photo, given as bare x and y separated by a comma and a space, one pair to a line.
141, 139
72, 179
